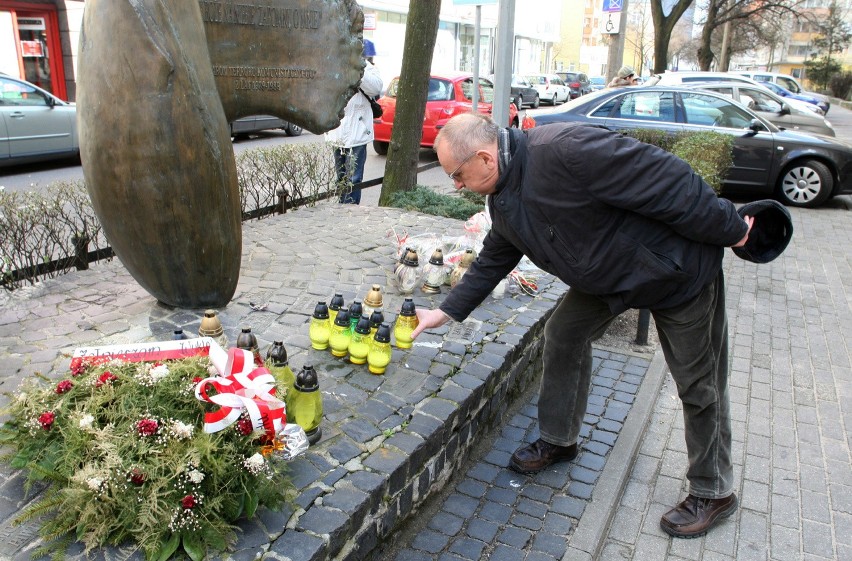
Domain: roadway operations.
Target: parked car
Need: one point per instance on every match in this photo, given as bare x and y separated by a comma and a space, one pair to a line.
775, 88
35, 125
799, 169
785, 81
597, 83
550, 88
577, 82
523, 93
692, 77
449, 94
771, 107
241, 128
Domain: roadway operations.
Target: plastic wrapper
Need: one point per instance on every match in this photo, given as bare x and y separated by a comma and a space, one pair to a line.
294, 439
521, 280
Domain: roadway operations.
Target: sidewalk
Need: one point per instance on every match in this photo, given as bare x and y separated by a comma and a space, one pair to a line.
789, 326
791, 393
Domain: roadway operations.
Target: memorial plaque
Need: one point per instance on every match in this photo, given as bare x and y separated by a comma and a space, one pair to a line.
299, 60
154, 135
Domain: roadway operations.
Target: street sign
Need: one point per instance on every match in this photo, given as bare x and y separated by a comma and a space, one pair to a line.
612, 5
610, 23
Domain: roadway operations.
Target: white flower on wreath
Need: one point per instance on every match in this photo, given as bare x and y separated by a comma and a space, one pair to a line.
95, 483
86, 421
195, 476
159, 372
181, 430
255, 464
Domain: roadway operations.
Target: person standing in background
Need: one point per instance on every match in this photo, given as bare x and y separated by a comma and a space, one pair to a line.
356, 129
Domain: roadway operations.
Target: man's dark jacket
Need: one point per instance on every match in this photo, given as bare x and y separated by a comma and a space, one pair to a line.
610, 216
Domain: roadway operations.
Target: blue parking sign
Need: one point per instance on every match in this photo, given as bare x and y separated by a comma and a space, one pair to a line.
611, 5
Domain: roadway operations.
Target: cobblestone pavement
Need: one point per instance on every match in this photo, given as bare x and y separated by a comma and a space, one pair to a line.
791, 393
789, 324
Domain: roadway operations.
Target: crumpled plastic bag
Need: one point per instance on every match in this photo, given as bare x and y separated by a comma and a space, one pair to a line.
295, 441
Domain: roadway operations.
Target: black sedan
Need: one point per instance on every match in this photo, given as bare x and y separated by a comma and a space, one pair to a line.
799, 169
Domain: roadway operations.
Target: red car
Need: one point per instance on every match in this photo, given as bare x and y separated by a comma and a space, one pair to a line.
449, 94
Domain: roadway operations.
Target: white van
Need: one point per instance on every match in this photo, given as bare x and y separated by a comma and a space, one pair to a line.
784, 80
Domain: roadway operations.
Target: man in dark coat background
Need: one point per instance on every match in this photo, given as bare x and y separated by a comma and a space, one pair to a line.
625, 225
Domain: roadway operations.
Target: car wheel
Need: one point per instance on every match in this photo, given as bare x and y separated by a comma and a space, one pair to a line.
381, 148
293, 130
519, 102
805, 184
536, 102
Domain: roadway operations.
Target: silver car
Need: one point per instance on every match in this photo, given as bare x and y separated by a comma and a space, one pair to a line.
771, 107
34, 124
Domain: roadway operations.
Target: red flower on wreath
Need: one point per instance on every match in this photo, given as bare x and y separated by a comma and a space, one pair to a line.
78, 368
147, 427
46, 420
188, 502
137, 476
64, 386
244, 426
106, 378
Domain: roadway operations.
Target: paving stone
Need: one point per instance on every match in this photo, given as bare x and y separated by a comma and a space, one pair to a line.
430, 541
515, 536
482, 530
467, 548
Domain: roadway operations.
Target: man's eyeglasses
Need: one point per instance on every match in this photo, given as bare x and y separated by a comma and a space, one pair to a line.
455, 172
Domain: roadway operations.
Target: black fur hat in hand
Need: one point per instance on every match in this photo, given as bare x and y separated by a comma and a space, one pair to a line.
770, 233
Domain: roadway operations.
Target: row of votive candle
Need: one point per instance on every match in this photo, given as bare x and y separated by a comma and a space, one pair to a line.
365, 340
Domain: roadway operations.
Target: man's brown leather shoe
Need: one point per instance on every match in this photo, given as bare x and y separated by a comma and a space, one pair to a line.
539, 455
694, 516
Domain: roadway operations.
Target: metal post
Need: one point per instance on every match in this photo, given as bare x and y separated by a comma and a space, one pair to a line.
616, 45
503, 67
476, 30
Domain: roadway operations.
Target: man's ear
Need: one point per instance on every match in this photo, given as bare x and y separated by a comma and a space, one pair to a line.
489, 157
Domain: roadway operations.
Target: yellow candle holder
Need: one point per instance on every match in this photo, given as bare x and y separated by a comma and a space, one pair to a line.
380, 350
341, 333
405, 325
359, 344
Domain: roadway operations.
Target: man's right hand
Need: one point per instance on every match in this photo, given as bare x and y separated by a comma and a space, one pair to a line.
427, 319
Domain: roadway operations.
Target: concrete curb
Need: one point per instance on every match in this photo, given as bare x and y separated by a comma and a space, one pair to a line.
588, 538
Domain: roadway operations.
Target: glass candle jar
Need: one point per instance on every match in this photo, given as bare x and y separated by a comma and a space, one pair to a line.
380, 350
341, 332
405, 324
359, 343
320, 327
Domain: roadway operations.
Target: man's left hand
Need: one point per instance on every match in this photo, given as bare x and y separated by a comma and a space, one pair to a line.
750, 221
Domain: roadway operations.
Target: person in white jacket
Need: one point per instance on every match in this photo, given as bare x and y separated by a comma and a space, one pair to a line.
356, 129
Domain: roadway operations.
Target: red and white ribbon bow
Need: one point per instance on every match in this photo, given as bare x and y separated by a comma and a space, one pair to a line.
242, 387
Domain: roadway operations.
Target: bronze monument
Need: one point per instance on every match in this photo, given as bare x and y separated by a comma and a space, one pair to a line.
159, 81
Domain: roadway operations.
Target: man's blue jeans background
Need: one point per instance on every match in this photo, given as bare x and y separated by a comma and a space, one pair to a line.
350, 159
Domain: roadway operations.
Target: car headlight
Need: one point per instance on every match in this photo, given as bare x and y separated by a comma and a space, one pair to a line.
828, 124
815, 109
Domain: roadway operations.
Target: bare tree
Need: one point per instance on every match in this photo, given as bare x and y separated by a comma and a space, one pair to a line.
421, 32
637, 36
663, 26
741, 13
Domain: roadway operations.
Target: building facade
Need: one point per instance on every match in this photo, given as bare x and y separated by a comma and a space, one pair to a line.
39, 38
38, 42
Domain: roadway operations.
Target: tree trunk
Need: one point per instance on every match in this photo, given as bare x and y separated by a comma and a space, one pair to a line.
705, 51
421, 32
663, 26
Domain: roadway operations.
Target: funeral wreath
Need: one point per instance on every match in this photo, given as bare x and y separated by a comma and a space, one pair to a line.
123, 449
